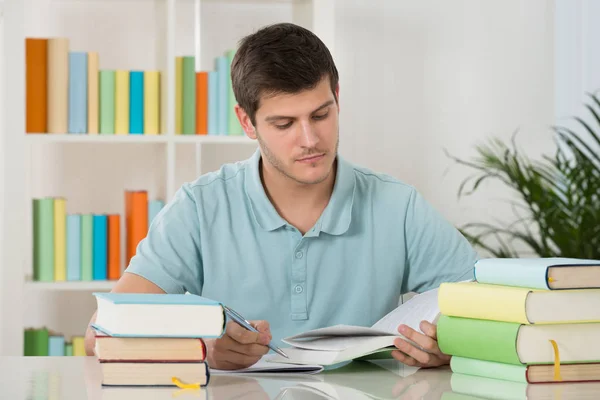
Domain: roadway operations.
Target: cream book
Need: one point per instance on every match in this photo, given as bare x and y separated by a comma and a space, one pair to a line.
343, 343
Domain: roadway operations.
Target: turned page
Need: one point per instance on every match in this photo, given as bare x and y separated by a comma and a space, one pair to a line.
422, 307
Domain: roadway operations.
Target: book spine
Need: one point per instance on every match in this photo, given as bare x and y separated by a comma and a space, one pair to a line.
78, 71
201, 103
36, 60
136, 103
234, 124
41, 342
29, 342
60, 239
87, 245
69, 349
509, 272
114, 247
43, 234
73, 247
56, 346
121, 102
213, 103
100, 248
107, 102
136, 220
178, 95
78, 346
223, 118
58, 85
154, 207
93, 93
488, 369
189, 96
151, 102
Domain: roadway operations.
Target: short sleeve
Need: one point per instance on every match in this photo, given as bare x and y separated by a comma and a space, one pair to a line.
170, 255
436, 251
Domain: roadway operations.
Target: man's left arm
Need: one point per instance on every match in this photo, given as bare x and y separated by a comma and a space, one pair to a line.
436, 252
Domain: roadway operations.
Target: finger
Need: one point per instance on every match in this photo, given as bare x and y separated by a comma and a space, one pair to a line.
404, 359
262, 326
253, 349
233, 357
428, 344
429, 329
243, 335
410, 350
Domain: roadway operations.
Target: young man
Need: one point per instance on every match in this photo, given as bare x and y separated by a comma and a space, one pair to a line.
296, 237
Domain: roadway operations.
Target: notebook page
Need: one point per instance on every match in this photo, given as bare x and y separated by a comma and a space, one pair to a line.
266, 366
423, 306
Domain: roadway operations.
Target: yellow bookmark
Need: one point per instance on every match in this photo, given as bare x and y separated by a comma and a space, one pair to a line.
557, 376
182, 385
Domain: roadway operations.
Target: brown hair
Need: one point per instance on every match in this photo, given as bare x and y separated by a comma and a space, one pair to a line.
280, 58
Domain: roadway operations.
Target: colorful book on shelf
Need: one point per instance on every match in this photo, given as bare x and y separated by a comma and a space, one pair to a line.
539, 273
93, 105
518, 344
74, 247
178, 95
114, 247
87, 247
56, 346
158, 315
222, 65
234, 124
35, 342
136, 220
78, 92
121, 102
78, 346
58, 85
69, 349
517, 304
213, 102
152, 103
100, 247
43, 239
189, 96
36, 59
202, 103
60, 239
136, 103
107, 101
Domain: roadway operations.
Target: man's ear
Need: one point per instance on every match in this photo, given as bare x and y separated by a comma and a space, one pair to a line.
244, 119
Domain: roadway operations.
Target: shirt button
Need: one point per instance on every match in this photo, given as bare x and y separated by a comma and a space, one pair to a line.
298, 289
299, 254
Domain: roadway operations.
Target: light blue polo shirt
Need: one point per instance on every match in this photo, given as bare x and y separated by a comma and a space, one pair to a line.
221, 238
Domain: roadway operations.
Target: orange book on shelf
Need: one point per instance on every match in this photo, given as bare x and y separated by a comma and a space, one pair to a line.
201, 103
36, 61
114, 247
136, 220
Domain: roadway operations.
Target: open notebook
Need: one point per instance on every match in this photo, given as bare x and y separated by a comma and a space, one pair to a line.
341, 343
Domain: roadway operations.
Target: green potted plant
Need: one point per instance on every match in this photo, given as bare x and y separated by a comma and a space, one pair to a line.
559, 194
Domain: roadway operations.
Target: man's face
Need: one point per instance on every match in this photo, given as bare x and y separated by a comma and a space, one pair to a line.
298, 133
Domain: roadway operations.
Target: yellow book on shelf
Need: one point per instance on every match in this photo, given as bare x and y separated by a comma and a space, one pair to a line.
178, 95
122, 102
93, 93
151, 102
60, 239
518, 304
78, 346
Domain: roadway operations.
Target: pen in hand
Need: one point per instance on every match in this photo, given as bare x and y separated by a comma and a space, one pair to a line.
242, 321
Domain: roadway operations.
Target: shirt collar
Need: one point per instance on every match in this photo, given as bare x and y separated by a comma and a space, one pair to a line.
336, 217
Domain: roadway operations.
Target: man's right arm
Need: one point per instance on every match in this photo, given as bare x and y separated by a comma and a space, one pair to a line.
129, 283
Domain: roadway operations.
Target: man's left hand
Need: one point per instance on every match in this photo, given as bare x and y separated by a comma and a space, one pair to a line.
413, 356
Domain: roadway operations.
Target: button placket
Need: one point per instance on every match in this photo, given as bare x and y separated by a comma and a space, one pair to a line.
298, 283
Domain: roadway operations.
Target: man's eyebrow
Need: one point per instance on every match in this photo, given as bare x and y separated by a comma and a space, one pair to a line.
272, 118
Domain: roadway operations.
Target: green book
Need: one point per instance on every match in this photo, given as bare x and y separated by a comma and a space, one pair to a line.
43, 239
234, 125
189, 96
87, 244
489, 369
107, 102
29, 342
488, 388
36, 342
68, 349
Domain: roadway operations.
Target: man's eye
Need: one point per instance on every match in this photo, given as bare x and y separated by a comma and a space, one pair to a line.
283, 126
320, 117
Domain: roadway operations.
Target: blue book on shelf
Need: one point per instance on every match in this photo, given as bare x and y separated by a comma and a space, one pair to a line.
56, 346
223, 90
74, 247
154, 207
100, 248
136, 102
213, 102
78, 72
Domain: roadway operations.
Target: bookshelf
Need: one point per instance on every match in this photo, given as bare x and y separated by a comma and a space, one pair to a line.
91, 171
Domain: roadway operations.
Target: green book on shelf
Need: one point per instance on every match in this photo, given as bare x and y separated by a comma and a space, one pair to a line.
68, 349
234, 125
43, 239
36, 342
189, 96
107, 101
87, 245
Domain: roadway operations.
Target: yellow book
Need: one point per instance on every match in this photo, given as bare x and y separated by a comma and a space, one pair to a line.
517, 304
122, 102
93, 94
178, 95
58, 85
78, 346
151, 102
60, 239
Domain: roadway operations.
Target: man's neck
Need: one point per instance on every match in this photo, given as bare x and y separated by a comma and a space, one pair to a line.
299, 204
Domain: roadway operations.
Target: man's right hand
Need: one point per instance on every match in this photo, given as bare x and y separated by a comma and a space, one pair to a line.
238, 347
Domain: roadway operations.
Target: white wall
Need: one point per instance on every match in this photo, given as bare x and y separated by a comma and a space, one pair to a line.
418, 77
1, 164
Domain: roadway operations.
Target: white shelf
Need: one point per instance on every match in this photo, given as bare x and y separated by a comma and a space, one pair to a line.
211, 139
39, 138
71, 286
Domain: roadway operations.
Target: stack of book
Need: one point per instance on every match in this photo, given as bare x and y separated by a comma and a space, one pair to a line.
86, 247
524, 320
43, 342
155, 339
66, 92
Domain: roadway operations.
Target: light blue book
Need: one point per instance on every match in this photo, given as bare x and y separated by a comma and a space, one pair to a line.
213, 102
100, 248
223, 100
78, 72
136, 102
539, 273
154, 207
180, 315
56, 346
74, 247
